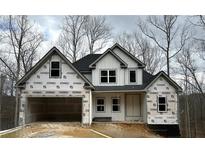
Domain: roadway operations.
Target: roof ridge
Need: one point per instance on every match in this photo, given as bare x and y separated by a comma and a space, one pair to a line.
86, 56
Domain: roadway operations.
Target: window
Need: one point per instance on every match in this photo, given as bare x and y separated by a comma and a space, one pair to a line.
104, 76
132, 76
100, 105
162, 105
55, 69
112, 77
108, 76
115, 104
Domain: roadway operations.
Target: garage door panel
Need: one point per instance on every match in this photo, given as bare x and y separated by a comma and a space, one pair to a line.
54, 109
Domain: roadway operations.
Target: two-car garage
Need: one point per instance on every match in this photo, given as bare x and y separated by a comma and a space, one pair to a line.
53, 109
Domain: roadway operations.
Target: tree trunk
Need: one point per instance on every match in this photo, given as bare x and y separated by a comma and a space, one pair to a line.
12, 88
188, 118
0, 111
17, 95
16, 118
168, 63
91, 47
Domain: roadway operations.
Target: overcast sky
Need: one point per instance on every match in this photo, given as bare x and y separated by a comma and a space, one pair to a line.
49, 25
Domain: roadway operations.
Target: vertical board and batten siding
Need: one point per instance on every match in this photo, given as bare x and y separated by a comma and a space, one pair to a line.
131, 64
111, 63
161, 88
122, 115
69, 84
116, 116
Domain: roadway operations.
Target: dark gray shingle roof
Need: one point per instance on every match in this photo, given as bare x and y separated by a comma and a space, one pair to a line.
83, 64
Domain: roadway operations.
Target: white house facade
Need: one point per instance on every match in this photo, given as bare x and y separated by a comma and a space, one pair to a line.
112, 86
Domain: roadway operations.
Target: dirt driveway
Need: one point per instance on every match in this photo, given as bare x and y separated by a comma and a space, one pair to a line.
123, 130
75, 130
53, 130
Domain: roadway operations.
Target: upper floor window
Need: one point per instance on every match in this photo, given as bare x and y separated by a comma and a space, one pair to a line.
162, 105
108, 76
55, 69
133, 76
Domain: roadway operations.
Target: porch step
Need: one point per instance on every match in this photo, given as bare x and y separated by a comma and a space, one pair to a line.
102, 119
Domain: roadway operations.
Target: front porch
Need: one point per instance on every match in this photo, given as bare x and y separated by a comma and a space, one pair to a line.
118, 107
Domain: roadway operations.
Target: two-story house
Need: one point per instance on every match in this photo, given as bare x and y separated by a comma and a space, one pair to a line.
110, 86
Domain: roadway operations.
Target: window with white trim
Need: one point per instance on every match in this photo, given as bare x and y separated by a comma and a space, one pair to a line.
133, 76
162, 104
55, 69
108, 76
100, 105
115, 104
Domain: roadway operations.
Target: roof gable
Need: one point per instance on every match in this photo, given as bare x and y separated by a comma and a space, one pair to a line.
108, 51
49, 54
167, 78
116, 45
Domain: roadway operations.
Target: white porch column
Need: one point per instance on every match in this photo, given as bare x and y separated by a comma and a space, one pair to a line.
91, 102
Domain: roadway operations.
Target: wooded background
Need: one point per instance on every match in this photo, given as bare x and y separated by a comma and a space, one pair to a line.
171, 43
7, 112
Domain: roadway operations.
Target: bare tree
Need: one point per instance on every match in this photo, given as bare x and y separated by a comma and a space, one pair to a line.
165, 32
21, 41
189, 67
70, 40
140, 47
199, 24
192, 85
184, 57
128, 41
98, 33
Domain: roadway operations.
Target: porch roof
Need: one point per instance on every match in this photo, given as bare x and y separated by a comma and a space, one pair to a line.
120, 88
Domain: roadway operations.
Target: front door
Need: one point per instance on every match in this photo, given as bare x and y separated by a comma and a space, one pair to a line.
132, 107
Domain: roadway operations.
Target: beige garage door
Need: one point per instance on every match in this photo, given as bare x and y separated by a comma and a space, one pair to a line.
54, 109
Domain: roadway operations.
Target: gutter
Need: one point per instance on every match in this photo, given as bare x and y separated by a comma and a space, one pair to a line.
121, 91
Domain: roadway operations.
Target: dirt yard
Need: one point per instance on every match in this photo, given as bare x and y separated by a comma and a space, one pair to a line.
75, 130
122, 130
53, 130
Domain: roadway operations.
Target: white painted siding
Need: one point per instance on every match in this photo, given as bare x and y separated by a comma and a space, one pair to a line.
108, 62
131, 63
122, 115
161, 88
116, 116
138, 76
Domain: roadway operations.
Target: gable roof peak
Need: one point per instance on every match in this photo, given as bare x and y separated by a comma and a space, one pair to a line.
170, 80
128, 53
123, 63
43, 60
